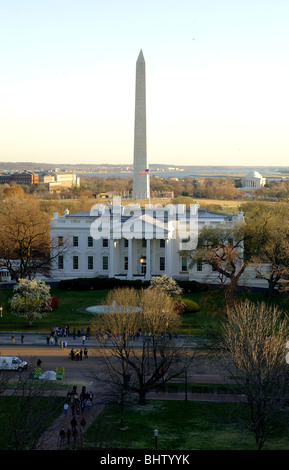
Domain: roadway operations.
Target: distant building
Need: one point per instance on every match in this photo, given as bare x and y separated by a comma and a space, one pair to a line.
62, 180
53, 181
56, 181
27, 177
253, 180
162, 194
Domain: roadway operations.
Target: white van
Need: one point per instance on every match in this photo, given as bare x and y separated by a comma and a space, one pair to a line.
12, 363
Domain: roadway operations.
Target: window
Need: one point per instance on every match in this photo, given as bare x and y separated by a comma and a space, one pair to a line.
60, 241
105, 242
90, 262
162, 263
75, 241
126, 263
105, 263
60, 262
125, 243
143, 243
75, 262
199, 265
184, 264
89, 241
162, 243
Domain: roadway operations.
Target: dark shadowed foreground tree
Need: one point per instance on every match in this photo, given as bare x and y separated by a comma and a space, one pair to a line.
26, 411
137, 340
253, 344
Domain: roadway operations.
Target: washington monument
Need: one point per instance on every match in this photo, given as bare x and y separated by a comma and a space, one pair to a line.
141, 185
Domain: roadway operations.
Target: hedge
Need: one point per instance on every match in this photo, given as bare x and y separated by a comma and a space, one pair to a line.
98, 283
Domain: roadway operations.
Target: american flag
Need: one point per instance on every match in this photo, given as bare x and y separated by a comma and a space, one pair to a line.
144, 172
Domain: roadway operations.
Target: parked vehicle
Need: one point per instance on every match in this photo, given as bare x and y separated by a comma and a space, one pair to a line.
12, 363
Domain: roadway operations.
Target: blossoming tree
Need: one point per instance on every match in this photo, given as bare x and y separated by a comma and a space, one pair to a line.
31, 299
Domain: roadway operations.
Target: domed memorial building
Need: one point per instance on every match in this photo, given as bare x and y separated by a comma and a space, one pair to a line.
253, 180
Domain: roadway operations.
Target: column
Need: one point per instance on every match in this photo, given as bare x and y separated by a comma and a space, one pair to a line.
111, 257
148, 260
166, 257
129, 272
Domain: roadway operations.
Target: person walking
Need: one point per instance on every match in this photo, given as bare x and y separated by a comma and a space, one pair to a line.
62, 437
82, 424
75, 434
13, 339
85, 353
22, 338
73, 423
65, 409
68, 436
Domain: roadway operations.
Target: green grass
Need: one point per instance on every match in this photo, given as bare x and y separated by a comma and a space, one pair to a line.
182, 426
72, 304
70, 310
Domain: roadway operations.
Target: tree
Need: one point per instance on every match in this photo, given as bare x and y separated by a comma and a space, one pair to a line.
136, 338
167, 284
272, 259
31, 299
228, 250
252, 342
25, 245
25, 423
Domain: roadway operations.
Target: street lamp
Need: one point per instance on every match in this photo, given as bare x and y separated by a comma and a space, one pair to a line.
1, 309
156, 432
186, 382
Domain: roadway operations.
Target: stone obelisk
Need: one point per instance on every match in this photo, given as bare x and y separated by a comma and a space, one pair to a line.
141, 177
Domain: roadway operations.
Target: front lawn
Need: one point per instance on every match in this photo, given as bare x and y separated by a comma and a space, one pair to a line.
181, 426
72, 304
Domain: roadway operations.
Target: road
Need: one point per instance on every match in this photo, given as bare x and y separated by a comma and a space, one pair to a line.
52, 356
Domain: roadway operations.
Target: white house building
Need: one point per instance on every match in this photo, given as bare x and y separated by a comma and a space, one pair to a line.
131, 242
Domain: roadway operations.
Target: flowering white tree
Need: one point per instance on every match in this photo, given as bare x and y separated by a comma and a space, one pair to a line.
31, 299
169, 285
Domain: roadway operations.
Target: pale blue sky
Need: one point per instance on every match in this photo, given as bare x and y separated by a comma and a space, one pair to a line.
217, 80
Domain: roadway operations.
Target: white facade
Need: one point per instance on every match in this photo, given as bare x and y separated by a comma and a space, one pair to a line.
130, 242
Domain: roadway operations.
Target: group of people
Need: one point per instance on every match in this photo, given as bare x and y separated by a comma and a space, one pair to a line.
64, 332
78, 403
76, 354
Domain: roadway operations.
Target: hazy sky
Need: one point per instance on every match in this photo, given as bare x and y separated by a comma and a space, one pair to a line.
217, 80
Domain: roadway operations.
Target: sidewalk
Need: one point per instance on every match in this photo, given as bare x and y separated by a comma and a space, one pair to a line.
40, 339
